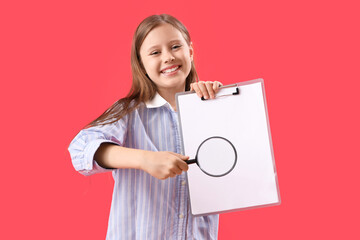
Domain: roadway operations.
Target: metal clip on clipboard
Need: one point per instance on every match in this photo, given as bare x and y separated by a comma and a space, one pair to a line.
231, 91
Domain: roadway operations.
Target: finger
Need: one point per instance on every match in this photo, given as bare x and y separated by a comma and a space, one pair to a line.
191, 86
176, 170
210, 90
182, 157
183, 166
216, 86
203, 90
197, 89
171, 174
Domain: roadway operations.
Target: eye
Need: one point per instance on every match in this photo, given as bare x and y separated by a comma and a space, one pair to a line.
154, 52
176, 46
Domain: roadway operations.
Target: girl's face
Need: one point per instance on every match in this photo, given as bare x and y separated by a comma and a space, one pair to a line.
166, 58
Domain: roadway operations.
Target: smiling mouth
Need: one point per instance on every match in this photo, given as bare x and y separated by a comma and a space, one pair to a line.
170, 70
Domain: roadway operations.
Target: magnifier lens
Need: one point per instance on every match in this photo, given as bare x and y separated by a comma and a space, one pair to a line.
216, 156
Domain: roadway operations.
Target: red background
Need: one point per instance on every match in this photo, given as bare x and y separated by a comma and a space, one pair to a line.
64, 62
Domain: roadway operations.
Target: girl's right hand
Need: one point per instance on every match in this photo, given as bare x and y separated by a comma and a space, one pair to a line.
163, 165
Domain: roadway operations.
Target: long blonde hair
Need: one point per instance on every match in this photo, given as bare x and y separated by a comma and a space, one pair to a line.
142, 88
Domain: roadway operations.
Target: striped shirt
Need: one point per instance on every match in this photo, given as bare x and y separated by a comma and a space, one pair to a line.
144, 207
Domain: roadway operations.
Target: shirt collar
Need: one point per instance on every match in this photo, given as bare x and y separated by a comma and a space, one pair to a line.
156, 102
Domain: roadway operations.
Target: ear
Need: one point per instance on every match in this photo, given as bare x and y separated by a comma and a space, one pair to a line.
191, 49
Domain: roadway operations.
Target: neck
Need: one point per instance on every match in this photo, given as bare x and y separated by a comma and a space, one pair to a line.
169, 95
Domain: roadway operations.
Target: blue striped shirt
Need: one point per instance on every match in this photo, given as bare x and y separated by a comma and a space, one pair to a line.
144, 207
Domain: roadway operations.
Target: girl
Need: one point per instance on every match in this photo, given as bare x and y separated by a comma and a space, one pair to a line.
138, 140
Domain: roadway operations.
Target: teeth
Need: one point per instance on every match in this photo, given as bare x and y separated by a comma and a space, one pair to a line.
170, 70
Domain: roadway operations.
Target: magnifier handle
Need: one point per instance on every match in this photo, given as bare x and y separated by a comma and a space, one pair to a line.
191, 161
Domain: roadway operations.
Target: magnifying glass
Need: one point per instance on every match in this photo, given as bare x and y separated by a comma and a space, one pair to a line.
216, 156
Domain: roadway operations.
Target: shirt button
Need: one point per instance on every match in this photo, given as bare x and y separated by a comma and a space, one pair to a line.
183, 182
181, 216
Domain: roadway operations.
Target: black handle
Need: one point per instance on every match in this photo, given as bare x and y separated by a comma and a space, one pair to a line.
191, 161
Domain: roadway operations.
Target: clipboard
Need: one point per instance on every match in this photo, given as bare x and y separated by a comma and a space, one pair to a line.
239, 114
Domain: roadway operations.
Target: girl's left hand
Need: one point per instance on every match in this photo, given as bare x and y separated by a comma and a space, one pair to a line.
206, 89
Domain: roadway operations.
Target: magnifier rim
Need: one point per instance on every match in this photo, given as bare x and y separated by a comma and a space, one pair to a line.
216, 175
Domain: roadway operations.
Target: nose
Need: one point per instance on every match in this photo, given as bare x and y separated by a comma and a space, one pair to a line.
168, 57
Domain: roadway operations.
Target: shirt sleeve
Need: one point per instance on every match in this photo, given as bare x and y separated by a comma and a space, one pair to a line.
83, 147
